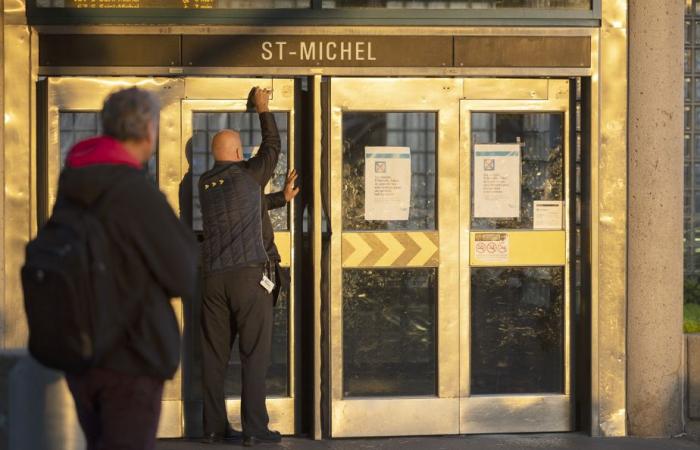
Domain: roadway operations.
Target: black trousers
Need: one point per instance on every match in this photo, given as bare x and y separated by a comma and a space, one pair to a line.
234, 303
117, 411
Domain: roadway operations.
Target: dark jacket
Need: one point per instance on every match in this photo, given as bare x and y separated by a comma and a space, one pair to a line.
236, 224
153, 255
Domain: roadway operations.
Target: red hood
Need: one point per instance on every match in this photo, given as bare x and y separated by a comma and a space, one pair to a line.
100, 150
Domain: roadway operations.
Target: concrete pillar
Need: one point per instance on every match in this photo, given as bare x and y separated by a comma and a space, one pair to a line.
655, 248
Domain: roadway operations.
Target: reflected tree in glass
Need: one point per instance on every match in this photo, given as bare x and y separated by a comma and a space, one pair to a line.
389, 344
517, 330
416, 130
542, 159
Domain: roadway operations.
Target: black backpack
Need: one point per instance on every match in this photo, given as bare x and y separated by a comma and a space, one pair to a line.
70, 290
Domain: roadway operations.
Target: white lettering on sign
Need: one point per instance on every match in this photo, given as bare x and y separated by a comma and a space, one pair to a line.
318, 51
266, 51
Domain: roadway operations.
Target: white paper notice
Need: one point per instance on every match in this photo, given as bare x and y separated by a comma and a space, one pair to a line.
497, 180
491, 247
387, 183
548, 215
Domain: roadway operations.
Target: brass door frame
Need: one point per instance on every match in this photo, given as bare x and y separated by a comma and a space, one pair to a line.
454, 99
87, 94
401, 415
230, 95
179, 98
514, 413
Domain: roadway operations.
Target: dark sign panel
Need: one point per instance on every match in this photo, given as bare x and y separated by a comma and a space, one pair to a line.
522, 51
109, 50
313, 51
322, 51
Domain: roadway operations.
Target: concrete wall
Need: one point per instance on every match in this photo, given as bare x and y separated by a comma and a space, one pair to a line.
655, 258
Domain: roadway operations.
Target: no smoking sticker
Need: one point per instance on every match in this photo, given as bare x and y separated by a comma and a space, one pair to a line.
491, 247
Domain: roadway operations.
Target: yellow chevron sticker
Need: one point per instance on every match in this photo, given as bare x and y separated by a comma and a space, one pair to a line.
428, 249
358, 249
394, 250
399, 249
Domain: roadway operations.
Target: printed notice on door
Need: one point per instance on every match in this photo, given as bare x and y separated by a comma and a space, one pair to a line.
387, 183
496, 181
491, 247
548, 215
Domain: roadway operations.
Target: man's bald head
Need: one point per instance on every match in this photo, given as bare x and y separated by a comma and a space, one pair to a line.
226, 146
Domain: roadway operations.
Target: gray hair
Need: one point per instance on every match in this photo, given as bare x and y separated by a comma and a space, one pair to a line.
126, 114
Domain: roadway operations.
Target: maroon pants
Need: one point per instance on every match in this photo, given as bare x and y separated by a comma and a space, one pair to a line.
117, 411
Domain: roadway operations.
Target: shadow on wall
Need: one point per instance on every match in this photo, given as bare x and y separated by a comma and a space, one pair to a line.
191, 393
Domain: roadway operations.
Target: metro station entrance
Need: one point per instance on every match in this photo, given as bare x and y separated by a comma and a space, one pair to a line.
450, 295
449, 300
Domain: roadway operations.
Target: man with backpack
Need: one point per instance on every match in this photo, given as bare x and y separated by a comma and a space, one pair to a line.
137, 256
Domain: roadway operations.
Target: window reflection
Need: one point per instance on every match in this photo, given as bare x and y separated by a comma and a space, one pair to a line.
542, 159
78, 126
206, 124
416, 130
177, 4
389, 345
459, 4
517, 330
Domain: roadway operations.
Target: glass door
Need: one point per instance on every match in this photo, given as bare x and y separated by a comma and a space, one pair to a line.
209, 105
73, 114
449, 276
394, 316
515, 268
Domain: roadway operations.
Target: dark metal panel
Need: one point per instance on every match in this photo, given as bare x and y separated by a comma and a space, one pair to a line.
320, 50
318, 17
109, 50
522, 51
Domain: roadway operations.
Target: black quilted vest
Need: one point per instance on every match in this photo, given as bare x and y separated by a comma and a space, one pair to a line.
231, 213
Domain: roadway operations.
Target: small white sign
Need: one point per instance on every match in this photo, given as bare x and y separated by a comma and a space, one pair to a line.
548, 215
491, 247
387, 183
496, 181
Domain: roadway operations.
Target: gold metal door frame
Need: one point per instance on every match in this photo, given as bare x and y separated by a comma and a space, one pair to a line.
454, 99
230, 95
179, 98
514, 413
86, 94
385, 416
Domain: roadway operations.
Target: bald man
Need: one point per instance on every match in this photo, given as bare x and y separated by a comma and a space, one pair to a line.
241, 275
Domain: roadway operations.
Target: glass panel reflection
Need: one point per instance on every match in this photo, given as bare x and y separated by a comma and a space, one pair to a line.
517, 334
389, 332
78, 126
176, 4
416, 130
542, 159
205, 125
278, 373
459, 4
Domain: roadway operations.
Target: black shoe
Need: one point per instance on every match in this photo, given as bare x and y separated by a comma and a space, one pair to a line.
212, 438
215, 438
267, 437
232, 434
